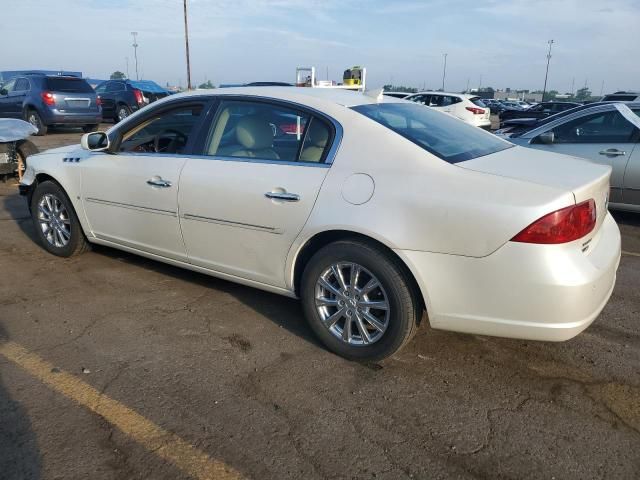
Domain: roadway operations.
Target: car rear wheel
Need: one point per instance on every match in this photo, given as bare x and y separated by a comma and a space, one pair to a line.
55, 221
90, 128
34, 118
122, 112
359, 300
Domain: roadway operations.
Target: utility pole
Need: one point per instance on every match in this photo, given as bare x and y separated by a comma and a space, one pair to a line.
186, 45
444, 69
573, 82
602, 88
135, 51
544, 90
126, 59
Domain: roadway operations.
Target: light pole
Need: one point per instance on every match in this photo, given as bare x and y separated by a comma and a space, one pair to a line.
186, 45
126, 59
544, 90
135, 51
444, 70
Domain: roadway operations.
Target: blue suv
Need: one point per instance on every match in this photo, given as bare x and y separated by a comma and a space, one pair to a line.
45, 101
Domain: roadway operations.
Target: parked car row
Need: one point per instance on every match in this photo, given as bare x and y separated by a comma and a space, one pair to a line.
48, 101
606, 133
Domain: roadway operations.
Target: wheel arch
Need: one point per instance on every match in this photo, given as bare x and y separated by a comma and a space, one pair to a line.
77, 207
320, 239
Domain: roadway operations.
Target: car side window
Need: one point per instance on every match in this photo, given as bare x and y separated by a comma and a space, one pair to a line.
168, 131
101, 88
22, 85
422, 99
115, 87
603, 127
267, 131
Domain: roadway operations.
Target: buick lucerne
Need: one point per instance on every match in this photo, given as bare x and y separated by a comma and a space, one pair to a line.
376, 212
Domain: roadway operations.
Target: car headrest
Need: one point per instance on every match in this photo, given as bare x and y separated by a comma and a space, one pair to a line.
254, 133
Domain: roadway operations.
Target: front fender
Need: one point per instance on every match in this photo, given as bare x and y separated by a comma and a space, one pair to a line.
63, 166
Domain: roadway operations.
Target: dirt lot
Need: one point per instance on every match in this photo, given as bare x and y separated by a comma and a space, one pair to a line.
117, 367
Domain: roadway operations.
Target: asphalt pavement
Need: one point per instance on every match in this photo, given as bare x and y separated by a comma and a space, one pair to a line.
113, 366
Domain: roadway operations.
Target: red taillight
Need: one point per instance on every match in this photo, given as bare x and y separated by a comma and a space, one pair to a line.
47, 98
562, 226
476, 110
291, 128
138, 95
98, 101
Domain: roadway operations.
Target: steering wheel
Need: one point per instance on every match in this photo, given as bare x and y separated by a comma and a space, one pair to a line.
172, 143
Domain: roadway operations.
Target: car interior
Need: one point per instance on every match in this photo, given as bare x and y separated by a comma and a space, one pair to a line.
262, 131
168, 132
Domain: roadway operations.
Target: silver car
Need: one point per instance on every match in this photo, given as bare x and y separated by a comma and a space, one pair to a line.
607, 134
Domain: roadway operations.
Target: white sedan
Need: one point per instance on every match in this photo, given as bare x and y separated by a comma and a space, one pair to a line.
371, 210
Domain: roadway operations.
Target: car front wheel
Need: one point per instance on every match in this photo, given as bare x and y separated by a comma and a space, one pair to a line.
359, 300
55, 221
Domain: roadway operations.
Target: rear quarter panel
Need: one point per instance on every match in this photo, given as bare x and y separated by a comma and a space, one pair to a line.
421, 202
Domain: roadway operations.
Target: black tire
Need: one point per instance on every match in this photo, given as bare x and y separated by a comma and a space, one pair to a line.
77, 243
405, 308
122, 112
90, 128
33, 117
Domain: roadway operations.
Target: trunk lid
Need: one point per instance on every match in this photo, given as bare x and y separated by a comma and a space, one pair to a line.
584, 179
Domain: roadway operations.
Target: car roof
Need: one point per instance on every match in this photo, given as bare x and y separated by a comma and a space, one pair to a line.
337, 96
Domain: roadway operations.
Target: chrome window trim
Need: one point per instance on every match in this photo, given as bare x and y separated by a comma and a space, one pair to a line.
223, 158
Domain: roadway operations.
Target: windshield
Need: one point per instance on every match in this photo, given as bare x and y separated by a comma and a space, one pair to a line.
438, 133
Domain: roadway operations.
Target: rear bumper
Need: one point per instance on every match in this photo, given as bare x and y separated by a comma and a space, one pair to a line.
536, 292
51, 117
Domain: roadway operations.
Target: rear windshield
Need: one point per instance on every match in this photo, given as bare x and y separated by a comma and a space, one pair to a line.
478, 102
70, 85
438, 133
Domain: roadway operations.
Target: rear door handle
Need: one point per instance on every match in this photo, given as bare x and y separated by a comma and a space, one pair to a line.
287, 197
158, 182
613, 152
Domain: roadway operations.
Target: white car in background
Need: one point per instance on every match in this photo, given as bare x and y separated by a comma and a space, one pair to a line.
468, 108
371, 211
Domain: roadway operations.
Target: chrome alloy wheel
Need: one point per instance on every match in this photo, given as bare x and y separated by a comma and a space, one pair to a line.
352, 303
54, 220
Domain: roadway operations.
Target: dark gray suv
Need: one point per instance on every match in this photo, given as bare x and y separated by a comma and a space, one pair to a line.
45, 101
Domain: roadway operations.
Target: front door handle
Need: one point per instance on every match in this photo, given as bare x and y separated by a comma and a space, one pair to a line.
613, 152
287, 197
158, 182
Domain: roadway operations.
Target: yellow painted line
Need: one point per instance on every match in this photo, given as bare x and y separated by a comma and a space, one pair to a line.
163, 443
631, 254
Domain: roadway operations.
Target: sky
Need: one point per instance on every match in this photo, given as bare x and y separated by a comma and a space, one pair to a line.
498, 43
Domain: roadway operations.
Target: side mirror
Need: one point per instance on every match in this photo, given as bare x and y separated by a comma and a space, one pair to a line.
4, 91
95, 142
546, 138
